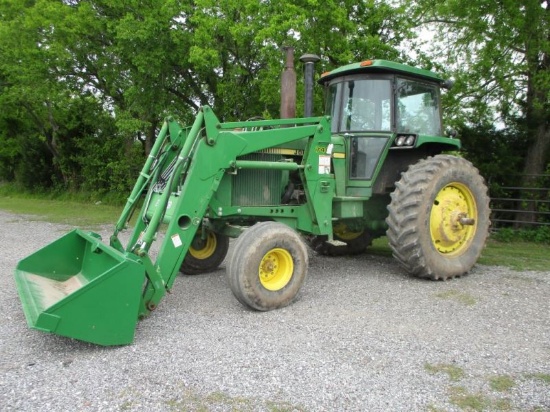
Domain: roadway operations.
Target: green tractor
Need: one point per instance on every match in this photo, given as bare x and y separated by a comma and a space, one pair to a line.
372, 166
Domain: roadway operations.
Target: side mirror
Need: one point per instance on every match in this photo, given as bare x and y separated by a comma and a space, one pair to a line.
450, 132
448, 84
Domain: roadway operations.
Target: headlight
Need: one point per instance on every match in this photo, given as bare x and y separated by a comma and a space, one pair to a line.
409, 141
400, 140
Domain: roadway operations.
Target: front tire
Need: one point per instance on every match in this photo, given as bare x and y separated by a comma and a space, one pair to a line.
438, 218
268, 266
205, 255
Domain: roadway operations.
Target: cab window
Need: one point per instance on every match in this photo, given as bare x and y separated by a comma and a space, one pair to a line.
360, 105
418, 108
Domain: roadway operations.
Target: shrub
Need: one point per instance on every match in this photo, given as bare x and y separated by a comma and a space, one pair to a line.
538, 235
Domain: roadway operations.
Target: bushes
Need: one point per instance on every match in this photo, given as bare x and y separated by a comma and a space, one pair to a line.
33, 164
538, 235
110, 167
80, 152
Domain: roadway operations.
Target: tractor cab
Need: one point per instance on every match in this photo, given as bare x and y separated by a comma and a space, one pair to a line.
375, 97
378, 107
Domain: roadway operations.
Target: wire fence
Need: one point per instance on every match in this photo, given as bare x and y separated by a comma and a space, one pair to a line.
523, 204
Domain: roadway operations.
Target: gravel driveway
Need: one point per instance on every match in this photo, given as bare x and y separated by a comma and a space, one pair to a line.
361, 337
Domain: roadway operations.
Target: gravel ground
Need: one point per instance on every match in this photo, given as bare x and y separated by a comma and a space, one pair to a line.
362, 336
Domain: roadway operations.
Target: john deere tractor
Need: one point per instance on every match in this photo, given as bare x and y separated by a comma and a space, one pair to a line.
375, 164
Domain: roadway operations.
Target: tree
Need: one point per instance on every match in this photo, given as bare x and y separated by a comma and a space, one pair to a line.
82, 74
236, 45
499, 53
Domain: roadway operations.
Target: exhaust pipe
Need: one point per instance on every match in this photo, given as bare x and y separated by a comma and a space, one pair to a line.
309, 61
288, 86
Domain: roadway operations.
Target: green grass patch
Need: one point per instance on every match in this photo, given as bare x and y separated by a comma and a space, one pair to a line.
516, 255
457, 296
432, 408
502, 383
57, 211
545, 377
467, 401
453, 372
193, 401
380, 247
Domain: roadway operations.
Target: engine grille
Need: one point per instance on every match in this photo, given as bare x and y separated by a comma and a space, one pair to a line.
258, 187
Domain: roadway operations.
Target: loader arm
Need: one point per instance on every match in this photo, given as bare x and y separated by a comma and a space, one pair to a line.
210, 150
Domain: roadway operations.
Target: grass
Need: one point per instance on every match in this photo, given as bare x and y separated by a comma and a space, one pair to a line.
502, 383
380, 247
544, 377
518, 255
515, 255
57, 211
465, 400
190, 400
458, 296
453, 372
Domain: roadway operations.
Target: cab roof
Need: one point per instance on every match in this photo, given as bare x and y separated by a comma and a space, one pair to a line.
380, 66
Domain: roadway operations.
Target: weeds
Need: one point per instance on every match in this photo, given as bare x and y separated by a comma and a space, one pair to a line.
457, 296
502, 383
465, 400
453, 372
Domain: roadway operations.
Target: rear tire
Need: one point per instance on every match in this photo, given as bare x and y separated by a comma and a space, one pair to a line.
268, 266
439, 217
205, 255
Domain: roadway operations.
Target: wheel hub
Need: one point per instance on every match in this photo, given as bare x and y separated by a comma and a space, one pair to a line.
203, 248
276, 268
452, 219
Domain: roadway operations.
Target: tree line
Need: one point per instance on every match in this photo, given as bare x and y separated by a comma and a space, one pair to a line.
86, 84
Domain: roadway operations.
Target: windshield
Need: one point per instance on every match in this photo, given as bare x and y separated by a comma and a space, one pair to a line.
365, 104
360, 105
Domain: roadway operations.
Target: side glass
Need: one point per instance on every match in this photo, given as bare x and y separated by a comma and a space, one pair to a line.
365, 153
418, 108
332, 104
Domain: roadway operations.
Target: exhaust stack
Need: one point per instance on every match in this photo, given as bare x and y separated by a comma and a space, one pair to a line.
288, 86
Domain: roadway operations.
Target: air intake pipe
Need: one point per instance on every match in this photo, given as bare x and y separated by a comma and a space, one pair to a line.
309, 61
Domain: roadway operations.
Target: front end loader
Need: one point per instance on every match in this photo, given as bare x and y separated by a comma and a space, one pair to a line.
371, 166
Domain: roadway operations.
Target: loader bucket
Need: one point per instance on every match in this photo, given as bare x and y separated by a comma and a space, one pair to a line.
81, 288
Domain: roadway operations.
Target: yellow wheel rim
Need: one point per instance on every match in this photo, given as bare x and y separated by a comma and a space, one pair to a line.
208, 247
342, 231
276, 268
453, 219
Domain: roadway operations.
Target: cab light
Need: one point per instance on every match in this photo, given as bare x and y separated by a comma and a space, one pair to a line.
366, 63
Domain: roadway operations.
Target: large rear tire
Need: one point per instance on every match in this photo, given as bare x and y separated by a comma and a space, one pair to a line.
268, 266
205, 255
438, 218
